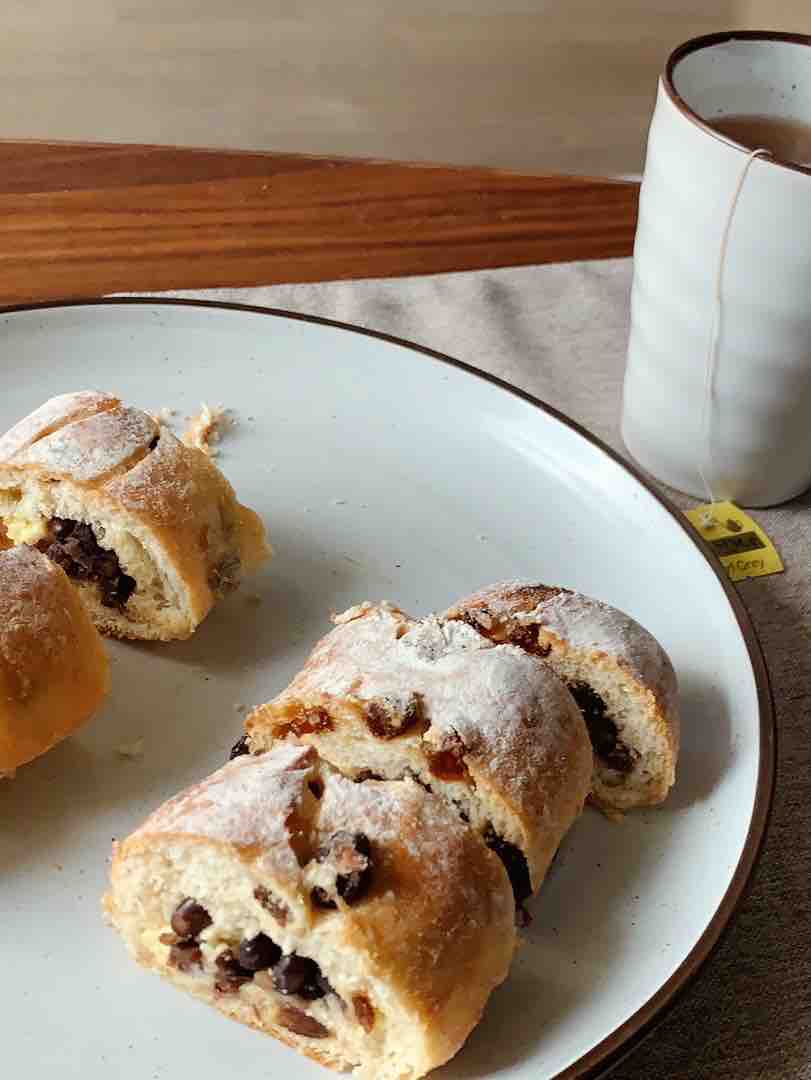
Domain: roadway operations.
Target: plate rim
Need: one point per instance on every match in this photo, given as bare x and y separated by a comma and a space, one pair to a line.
620, 1042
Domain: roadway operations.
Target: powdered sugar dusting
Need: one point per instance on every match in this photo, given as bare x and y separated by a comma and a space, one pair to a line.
53, 414
514, 716
432, 639
32, 619
91, 448
246, 802
180, 489
590, 624
584, 623
393, 812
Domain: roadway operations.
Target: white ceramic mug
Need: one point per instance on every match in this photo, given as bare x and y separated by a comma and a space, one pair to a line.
753, 443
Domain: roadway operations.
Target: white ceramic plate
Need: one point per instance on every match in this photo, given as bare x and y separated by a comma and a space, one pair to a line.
383, 472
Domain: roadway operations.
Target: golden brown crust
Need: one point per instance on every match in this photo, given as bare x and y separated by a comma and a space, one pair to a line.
191, 509
54, 672
428, 940
491, 720
438, 960
91, 450
459, 917
119, 460
52, 415
564, 626
564, 620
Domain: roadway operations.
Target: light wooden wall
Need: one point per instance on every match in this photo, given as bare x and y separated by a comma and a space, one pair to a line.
543, 85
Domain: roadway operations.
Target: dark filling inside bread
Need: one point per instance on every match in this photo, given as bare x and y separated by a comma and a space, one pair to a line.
448, 763
73, 546
389, 717
351, 856
301, 1023
301, 976
603, 733
516, 866
605, 740
304, 720
525, 637
273, 904
260, 959
257, 959
240, 747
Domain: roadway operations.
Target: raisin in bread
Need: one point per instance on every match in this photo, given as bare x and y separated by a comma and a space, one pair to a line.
361, 923
489, 728
148, 528
54, 672
618, 673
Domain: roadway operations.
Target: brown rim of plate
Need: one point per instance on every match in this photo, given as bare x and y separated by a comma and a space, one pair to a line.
706, 41
610, 1050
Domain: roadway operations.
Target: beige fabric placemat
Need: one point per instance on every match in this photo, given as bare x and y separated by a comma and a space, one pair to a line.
560, 333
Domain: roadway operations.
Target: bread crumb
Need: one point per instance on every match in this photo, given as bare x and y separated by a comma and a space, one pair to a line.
164, 415
132, 751
207, 428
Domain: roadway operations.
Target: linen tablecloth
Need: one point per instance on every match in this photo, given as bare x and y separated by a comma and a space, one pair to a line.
560, 333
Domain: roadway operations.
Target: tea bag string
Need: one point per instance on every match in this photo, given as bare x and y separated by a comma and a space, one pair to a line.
715, 333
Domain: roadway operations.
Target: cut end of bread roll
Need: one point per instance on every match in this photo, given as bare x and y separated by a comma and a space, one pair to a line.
54, 672
617, 672
147, 528
489, 729
360, 923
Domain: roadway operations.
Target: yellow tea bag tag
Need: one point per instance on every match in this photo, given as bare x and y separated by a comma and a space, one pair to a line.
738, 541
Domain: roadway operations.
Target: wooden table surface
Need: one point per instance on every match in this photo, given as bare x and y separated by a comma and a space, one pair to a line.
80, 220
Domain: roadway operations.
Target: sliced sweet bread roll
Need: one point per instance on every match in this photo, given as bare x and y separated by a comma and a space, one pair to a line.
147, 528
361, 923
617, 671
489, 728
54, 672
